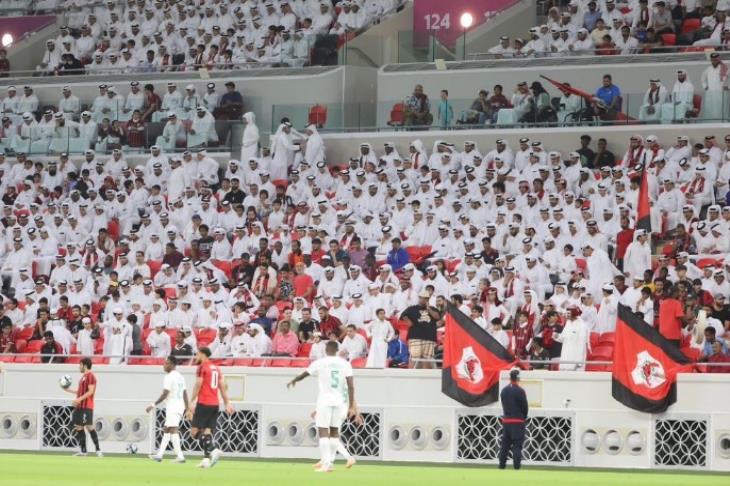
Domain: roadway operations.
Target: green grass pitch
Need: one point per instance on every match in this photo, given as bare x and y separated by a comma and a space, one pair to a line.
62, 470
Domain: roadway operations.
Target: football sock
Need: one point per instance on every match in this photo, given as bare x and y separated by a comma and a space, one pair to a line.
176, 444
95, 439
81, 438
324, 450
334, 442
342, 449
163, 444
206, 443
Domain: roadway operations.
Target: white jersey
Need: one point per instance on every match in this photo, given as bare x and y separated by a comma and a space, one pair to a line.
332, 373
174, 383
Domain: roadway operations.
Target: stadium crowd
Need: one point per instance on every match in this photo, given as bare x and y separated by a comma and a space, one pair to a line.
607, 27
175, 35
277, 252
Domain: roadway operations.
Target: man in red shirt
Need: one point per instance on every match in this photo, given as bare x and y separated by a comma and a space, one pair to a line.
83, 415
328, 323
671, 317
303, 283
623, 239
208, 384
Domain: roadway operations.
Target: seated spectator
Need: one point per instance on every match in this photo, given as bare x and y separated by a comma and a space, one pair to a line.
221, 345
7, 337
354, 345
285, 342
418, 108
709, 346
398, 356
51, 349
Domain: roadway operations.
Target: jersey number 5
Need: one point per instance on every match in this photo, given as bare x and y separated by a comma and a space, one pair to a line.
334, 379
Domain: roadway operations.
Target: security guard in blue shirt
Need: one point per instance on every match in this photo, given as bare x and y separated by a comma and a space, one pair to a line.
514, 407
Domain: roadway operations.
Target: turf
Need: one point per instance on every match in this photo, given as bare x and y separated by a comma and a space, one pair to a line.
63, 470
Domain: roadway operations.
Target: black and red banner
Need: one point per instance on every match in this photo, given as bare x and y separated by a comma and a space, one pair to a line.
643, 210
645, 365
472, 361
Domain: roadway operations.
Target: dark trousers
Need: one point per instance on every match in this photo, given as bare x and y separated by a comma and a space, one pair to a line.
513, 435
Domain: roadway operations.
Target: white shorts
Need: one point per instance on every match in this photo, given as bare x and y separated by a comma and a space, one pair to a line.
172, 419
330, 417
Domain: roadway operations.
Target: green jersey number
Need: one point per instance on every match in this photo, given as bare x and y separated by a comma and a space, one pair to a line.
335, 379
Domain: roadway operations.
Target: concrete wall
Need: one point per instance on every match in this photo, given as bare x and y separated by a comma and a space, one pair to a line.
403, 400
513, 22
464, 84
379, 44
340, 147
25, 55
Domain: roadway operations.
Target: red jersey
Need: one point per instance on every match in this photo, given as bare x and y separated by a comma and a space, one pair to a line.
670, 324
86, 381
211, 376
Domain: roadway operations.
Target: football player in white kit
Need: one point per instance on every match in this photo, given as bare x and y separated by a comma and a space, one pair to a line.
174, 391
335, 401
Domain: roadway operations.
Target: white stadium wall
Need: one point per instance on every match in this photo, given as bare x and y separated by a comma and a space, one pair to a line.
574, 420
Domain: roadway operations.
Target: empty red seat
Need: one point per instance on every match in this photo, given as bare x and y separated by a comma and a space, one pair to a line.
318, 115
299, 363
280, 363
304, 350
205, 336
260, 362
242, 361
669, 39
154, 266
690, 25
397, 115
26, 333
170, 292
607, 338
359, 362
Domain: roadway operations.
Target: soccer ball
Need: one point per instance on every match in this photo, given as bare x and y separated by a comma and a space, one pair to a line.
132, 448
65, 381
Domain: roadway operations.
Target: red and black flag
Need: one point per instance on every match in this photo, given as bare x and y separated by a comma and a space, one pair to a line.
472, 361
645, 365
643, 211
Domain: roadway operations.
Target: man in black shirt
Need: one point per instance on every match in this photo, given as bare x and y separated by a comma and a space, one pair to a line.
181, 348
720, 310
205, 242
586, 154
307, 325
515, 408
603, 156
423, 320
235, 195
52, 348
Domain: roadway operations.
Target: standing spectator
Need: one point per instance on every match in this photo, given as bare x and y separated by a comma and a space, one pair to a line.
423, 321
445, 110
231, 104
602, 157
4, 64
381, 333
152, 102
672, 317
714, 82
136, 130
418, 108
575, 339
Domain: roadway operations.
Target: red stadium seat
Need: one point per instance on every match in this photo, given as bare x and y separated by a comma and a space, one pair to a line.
20, 345
690, 25
260, 362
170, 292
304, 350
283, 305
318, 115
669, 39
359, 362
154, 266
696, 105
26, 333
73, 360
594, 339
299, 363
8, 358
98, 360
691, 353
280, 363
242, 361
397, 115
206, 336
606, 339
